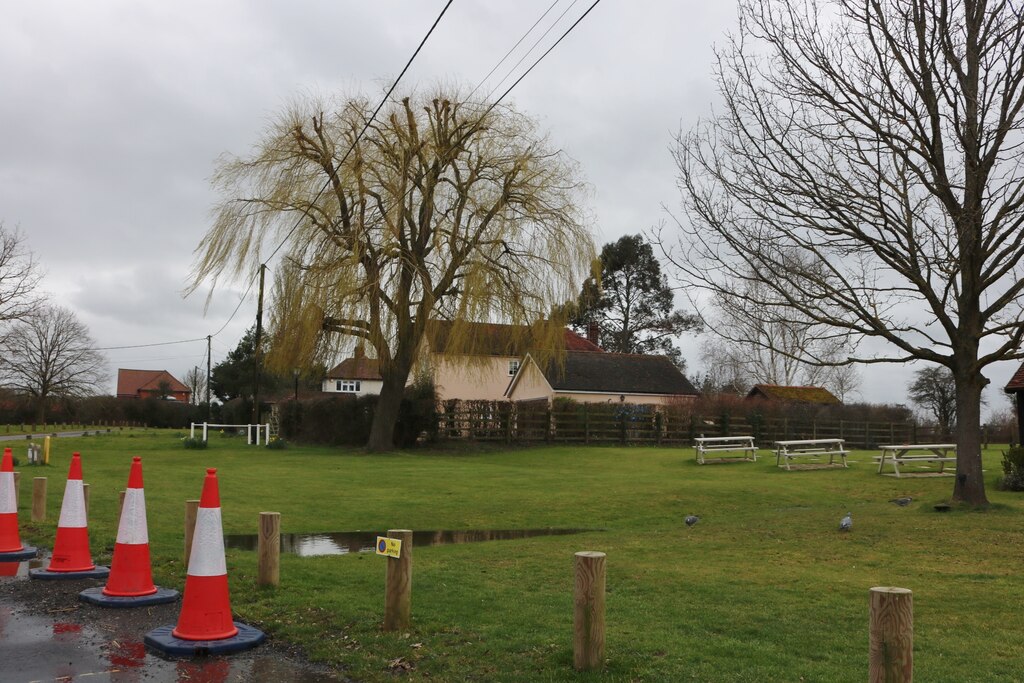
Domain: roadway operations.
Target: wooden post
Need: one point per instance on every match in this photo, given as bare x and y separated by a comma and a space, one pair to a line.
398, 584
85, 494
17, 488
191, 511
891, 635
39, 499
269, 549
588, 611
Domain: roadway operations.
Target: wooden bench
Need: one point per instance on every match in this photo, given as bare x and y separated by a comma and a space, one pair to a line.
725, 444
803, 448
908, 454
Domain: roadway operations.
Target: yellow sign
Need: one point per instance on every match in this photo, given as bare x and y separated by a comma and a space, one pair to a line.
390, 547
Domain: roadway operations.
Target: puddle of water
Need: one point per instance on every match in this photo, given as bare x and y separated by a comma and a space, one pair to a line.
35, 648
345, 542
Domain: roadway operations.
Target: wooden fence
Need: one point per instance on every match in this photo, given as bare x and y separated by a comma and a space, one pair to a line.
627, 424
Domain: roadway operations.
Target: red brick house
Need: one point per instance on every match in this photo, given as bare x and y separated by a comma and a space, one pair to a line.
150, 384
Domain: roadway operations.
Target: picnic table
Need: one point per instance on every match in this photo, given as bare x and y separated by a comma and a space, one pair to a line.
802, 448
744, 445
906, 454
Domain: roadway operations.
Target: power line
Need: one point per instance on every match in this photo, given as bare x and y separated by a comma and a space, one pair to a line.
518, 42
365, 127
144, 346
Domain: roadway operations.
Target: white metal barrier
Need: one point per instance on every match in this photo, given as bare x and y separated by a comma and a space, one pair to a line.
250, 429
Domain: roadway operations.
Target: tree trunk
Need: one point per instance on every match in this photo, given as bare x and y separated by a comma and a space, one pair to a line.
385, 417
970, 482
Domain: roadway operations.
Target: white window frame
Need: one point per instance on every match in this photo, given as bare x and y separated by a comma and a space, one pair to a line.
513, 367
349, 386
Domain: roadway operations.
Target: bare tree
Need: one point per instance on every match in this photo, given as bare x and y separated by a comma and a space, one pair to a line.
444, 210
19, 277
882, 141
933, 391
195, 380
50, 355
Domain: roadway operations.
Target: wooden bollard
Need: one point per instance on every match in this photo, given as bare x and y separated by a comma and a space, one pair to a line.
39, 499
268, 550
85, 494
398, 584
17, 487
191, 511
588, 611
891, 635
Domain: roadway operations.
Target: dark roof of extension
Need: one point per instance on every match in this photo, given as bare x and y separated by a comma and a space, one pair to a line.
618, 373
795, 394
1017, 381
494, 339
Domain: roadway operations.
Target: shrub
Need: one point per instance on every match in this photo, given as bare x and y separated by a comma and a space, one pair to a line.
1013, 469
277, 445
193, 443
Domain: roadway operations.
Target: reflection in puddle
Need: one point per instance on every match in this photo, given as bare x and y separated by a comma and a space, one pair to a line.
344, 542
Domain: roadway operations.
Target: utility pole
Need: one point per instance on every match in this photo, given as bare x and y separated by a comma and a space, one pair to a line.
209, 414
257, 351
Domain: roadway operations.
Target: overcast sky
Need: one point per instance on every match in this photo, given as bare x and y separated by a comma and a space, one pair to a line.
113, 115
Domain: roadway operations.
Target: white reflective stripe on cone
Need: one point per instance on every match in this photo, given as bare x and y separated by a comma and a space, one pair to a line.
72, 510
132, 529
207, 558
8, 499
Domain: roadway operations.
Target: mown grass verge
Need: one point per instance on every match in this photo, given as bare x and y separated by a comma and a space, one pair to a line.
763, 588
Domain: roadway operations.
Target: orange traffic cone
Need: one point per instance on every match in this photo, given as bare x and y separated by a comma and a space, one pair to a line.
131, 578
71, 557
11, 547
205, 625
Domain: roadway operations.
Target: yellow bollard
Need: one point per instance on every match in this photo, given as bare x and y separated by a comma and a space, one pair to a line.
46, 450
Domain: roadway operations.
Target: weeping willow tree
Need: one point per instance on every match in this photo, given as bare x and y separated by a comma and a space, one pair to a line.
443, 210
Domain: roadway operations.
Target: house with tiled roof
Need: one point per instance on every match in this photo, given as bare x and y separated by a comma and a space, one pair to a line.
589, 377
1016, 387
358, 375
775, 392
139, 384
481, 373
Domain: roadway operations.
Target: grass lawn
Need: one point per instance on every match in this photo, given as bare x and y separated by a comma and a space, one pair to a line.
763, 588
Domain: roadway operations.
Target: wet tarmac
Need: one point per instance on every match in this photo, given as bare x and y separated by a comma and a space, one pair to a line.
345, 542
49, 647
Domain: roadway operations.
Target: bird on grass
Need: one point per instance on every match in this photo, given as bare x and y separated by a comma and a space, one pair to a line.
691, 520
902, 502
846, 523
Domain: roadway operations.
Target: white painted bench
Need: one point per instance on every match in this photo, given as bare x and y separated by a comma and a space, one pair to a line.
744, 445
809, 448
909, 454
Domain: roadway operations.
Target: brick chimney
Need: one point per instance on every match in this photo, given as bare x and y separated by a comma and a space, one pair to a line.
360, 352
593, 332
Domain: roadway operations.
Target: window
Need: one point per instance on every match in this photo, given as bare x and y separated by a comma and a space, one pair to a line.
337, 386
350, 386
513, 368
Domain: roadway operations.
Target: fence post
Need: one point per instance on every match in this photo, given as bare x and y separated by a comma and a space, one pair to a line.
588, 611
191, 511
867, 434
549, 429
891, 635
659, 419
120, 506
586, 424
39, 499
85, 495
398, 584
268, 549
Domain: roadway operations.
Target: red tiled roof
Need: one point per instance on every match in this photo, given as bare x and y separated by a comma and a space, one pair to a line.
1017, 381
131, 382
495, 339
356, 368
799, 394
574, 342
